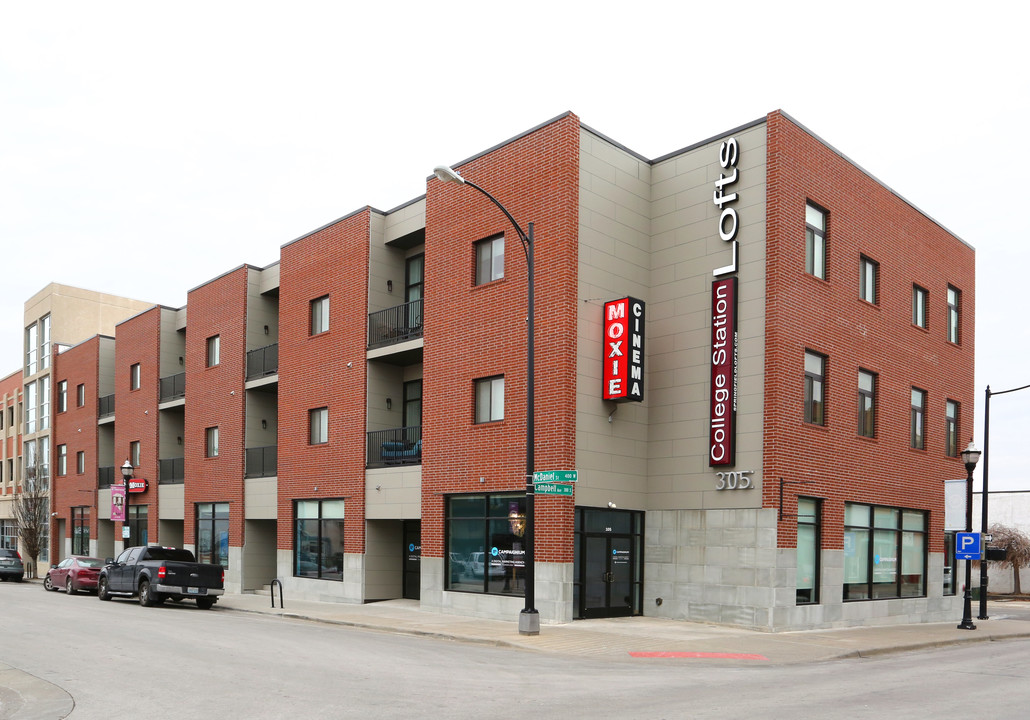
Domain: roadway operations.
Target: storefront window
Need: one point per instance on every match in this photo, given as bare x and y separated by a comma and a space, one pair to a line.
137, 525
884, 552
80, 531
318, 539
808, 551
213, 533
486, 543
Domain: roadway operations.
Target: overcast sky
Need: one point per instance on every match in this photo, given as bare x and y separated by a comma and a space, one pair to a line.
147, 148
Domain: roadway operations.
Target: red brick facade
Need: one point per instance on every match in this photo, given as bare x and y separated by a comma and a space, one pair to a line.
827, 316
476, 332
324, 370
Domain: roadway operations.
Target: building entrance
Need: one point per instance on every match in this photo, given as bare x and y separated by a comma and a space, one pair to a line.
412, 580
608, 563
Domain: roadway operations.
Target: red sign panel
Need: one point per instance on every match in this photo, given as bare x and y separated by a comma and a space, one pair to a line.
623, 356
138, 485
723, 402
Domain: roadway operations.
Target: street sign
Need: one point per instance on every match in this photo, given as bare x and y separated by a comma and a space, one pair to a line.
967, 546
552, 489
552, 476
988, 537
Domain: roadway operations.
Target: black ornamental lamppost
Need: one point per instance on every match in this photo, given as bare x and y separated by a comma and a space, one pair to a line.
970, 456
126, 475
529, 618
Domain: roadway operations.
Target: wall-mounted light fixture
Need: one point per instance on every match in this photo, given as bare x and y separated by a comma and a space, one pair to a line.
181, 360
389, 286
266, 329
264, 424
179, 439
389, 404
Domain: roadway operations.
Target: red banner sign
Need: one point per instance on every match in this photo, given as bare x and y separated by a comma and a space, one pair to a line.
623, 356
723, 401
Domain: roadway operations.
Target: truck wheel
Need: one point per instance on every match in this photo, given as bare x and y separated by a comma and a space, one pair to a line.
147, 597
69, 588
102, 592
205, 603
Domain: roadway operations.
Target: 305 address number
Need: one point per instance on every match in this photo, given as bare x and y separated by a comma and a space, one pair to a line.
734, 480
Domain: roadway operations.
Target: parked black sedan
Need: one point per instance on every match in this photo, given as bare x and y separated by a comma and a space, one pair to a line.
11, 567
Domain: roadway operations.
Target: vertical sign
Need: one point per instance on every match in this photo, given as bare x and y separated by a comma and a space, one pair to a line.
623, 356
723, 402
118, 503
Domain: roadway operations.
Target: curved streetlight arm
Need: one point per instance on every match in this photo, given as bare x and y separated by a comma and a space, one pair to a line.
446, 174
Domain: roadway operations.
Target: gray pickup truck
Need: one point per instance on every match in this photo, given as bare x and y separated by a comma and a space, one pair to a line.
155, 574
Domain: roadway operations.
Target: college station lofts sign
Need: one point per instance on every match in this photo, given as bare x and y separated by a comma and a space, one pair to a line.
723, 391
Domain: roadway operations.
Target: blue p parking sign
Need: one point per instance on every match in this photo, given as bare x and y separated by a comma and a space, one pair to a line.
967, 546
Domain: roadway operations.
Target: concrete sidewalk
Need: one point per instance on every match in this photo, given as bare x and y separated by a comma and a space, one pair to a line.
636, 638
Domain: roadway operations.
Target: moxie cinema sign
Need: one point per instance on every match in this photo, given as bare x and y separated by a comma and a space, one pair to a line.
723, 400
623, 373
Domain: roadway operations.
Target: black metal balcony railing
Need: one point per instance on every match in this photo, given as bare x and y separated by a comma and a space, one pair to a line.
105, 476
262, 461
171, 470
173, 387
396, 446
105, 406
395, 324
263, 362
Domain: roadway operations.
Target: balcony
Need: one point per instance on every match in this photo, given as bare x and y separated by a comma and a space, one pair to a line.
397, 446
262, 461
171, 470
105, 406
395, 325
173, 387
263, 362
105, 477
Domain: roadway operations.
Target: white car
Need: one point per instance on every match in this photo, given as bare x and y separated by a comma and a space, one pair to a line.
476, 561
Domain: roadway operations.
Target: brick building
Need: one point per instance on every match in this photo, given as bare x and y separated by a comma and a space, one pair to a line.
352, 419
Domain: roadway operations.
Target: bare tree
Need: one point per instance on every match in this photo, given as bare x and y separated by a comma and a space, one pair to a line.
1017, 550
32, 511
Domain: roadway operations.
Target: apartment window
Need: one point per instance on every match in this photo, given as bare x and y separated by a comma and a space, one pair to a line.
485, 539
490, 399
44, 343
62, 459
868, 275
213, 350
954, 296
211, 442
951, 428
44, 402
80, 462
318, 539
80, 530
884, 552
920, 299
29, 407
134, 377
62, 396
917, 425
808, 551
318, 424
31, 349
80, 395
815, 378
489, 260
815, 241
134, 453
866, 404
320, 315
213, 533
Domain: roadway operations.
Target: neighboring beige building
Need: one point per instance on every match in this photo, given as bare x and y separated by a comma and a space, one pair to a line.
56, 317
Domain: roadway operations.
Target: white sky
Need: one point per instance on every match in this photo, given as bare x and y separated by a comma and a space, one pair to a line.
147, 148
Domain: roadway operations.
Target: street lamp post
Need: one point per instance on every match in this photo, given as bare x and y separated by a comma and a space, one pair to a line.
126, 474
970, 456
529, 618
983, 499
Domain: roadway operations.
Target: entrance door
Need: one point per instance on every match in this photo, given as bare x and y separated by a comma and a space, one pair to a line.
412, 579
607, 586
608, 563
